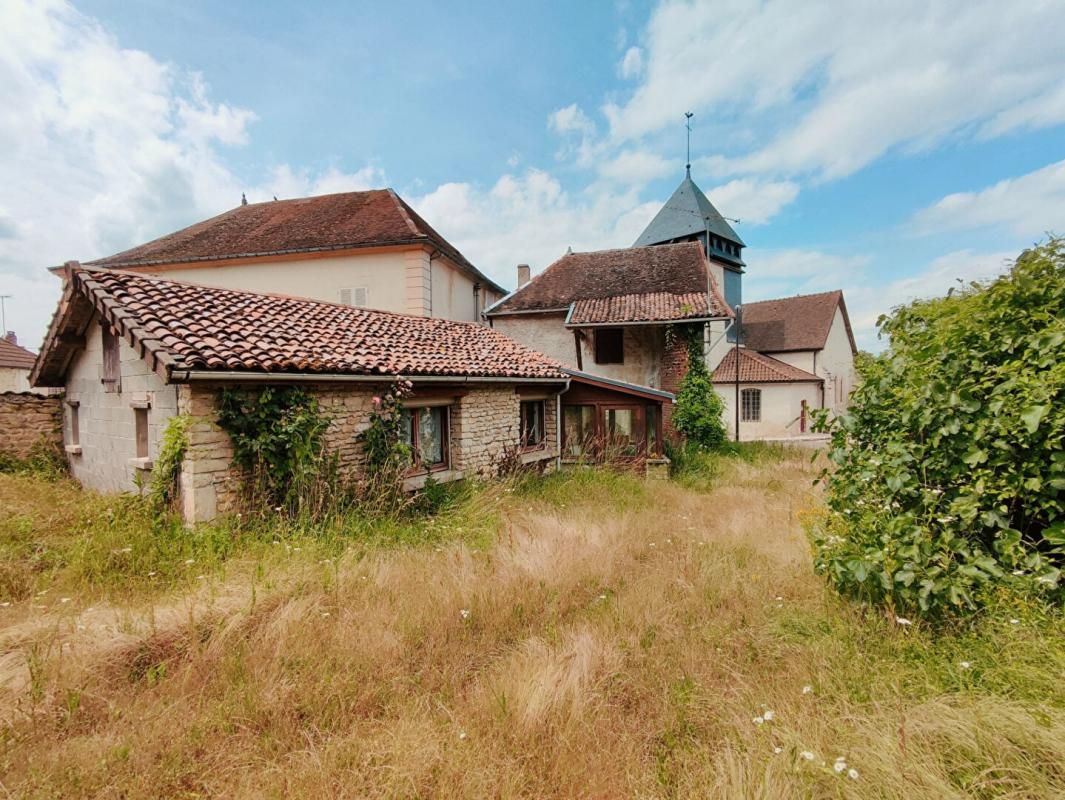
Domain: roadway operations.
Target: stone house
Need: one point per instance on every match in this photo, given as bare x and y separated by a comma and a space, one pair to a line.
608, 312
365, 249
132, 350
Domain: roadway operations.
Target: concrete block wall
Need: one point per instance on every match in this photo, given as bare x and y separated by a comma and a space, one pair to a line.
100, 459
27, 419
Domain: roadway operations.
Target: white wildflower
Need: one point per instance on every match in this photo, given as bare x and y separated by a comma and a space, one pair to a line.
852, 774
902, 621
151, 574
64, 599
462, 734
5, 604
758, 720
1015, 622
807, 755
602, 597
190, 561
201, 577
325, 613
464, 613
946, 520
839, 766
652, 544
1017, 572
768, 716
778, 750
964, 664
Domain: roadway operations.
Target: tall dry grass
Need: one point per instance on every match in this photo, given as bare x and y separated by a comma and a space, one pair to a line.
614, 639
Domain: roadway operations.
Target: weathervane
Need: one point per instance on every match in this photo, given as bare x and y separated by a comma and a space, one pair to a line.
688, 127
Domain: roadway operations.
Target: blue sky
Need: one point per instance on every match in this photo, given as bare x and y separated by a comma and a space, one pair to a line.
885, 151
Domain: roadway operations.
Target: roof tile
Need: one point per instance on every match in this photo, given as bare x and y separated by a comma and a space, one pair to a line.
206, 328
12, 356
793, 323
650, 306
758, 368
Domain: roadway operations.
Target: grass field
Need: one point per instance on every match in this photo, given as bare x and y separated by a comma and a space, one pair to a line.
584, 635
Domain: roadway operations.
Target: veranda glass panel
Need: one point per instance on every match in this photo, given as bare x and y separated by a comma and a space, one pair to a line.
619, 424
578, 429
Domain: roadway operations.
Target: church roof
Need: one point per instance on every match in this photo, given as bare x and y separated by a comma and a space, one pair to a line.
685, 214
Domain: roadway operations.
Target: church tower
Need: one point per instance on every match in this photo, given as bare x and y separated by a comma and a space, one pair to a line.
689, 216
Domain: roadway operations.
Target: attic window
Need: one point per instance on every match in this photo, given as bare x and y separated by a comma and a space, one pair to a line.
355, 296
609, 346
112, 361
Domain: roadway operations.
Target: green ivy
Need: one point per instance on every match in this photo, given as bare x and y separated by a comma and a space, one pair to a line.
699, 409
167, 468
949, 479
277, 438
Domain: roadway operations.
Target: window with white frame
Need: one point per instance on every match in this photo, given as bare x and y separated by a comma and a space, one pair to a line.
751, 405
354, 296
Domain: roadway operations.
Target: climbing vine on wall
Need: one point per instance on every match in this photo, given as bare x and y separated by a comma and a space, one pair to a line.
699, 409
165, 473
277, 438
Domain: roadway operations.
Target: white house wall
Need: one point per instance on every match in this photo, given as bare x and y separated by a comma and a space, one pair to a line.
781, 407
106, 422
805, 360
836, 365
14, 380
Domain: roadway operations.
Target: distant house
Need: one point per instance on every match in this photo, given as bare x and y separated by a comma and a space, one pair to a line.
609, 312
364, 249
15, 365
132, 350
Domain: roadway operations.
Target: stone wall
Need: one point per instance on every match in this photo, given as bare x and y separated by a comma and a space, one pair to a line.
26, 419
485, 422
674, 368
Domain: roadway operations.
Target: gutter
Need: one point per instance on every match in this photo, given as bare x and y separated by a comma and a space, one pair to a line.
195, 375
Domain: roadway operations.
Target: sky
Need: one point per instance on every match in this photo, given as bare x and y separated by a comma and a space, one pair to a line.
886, 149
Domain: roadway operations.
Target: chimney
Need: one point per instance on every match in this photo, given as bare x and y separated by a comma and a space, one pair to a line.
523, 275
11, 337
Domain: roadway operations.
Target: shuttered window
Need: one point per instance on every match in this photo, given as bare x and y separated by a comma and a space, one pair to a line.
112, 366
355, 296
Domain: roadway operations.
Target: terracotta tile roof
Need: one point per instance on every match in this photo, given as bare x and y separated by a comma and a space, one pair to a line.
651, 306
184, 326
12, 356
306, 224
793, 323
758, 368
678, 269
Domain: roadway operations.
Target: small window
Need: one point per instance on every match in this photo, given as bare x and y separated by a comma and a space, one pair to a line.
353, 297
112, 367
751, 409
425, 431
140, 416
578, 429
75, 420
609, 346
533, 429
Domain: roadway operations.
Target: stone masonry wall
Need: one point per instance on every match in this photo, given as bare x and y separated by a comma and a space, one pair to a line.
26, 419
485, 422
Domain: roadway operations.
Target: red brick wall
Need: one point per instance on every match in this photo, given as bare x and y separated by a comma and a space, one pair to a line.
674, 368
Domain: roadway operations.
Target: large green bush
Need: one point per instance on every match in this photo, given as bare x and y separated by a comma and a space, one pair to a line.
949, 479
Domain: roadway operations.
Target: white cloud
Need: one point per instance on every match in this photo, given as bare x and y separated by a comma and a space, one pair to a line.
631, 65
753, 201
105, 147
570, 119
838, 84
636, 167
530, 219
1029, 205
789, 271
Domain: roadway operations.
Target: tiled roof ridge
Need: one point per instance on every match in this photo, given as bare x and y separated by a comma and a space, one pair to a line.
795, 297
725, 371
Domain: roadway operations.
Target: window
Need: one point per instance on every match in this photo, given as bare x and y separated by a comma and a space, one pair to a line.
533, 431
425, 430
651, 415
112, 374
353, 297
620, 426
609, 346
74, 426
751, 405
140, 417
578, 429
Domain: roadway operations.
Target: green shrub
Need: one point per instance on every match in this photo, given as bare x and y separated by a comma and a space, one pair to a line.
950, 472
699, 409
